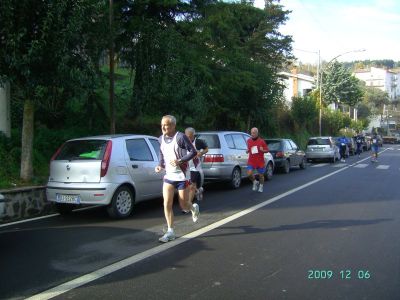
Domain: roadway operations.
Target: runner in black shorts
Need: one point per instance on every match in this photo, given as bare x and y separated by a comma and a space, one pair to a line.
195, 165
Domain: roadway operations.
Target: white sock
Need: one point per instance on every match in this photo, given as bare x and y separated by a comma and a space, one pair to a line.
170, 229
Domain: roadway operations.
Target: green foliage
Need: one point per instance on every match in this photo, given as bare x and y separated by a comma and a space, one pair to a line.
305, 112
339, 86
333, 121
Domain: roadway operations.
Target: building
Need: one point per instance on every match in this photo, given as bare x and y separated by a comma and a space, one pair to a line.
5, 117
387, 81
383, 79
296, 84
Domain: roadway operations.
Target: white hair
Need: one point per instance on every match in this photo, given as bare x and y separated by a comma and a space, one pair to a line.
191, 130
171, 118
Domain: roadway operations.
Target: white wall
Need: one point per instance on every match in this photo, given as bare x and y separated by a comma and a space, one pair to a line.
5, 118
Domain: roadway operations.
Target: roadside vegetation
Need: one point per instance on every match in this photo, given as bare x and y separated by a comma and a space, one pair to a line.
214, 65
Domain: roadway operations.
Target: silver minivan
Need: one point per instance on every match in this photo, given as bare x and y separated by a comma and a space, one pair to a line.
227, 157
321, 148
113, 170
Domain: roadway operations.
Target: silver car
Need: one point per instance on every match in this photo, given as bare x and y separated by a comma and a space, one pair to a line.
114, 170
227, 157
322, 148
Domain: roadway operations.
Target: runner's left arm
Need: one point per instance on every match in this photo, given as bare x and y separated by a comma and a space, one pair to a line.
184, 142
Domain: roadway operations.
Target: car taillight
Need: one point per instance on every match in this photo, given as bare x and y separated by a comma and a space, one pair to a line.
280, 154
56, 153
212, 158
106, 159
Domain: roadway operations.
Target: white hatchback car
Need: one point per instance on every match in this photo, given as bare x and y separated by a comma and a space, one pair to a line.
113, 170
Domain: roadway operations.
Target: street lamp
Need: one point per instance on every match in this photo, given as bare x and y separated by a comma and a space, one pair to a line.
320, 84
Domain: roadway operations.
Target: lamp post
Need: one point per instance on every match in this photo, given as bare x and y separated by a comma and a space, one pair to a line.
320, 84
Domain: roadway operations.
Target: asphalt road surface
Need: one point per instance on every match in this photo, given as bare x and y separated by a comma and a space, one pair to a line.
331, 231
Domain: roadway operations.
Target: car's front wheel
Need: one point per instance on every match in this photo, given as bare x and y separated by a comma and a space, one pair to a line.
236, 178
303, 163
269, 171
122, 203
286, 167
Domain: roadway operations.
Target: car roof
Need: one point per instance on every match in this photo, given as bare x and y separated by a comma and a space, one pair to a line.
320, 137
112, 137
223, 132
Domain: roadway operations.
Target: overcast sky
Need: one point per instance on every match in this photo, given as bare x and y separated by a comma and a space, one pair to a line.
335, 27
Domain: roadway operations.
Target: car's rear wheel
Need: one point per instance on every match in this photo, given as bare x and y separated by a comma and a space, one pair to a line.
269, 171
122, 203
303, 163
64, 209
286, 167
236, 178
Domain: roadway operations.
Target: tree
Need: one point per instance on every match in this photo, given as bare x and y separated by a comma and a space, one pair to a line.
48, 53
339, 86
305, 112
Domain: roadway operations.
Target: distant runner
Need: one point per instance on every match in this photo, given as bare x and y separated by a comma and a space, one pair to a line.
256, 147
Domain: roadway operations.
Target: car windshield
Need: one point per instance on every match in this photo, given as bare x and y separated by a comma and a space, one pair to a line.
212, 140
273, 145
320, 141
82, 150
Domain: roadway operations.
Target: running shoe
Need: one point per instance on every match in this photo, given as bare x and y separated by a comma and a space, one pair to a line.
261, 188
168, 236
195, 212
255, 185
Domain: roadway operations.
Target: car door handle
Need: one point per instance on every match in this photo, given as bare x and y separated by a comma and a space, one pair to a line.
135, 166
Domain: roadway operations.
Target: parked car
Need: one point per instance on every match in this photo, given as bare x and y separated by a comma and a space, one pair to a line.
114, 170
322, 148
226, 159
367, 143
286, 154
351, 144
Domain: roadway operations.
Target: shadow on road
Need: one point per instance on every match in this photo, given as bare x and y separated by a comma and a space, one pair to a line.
318, 224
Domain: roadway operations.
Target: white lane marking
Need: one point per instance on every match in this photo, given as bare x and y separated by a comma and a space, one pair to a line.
361, 166
319, 165
341, 165
383, 167
87, 278
44, 217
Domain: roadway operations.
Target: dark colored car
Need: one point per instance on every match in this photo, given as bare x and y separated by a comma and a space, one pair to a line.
286, 154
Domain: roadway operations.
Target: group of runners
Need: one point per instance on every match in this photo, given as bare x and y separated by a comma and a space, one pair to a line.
360, 140
180, 157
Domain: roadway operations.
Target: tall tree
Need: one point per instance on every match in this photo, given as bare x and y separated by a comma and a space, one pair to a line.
47, 51
340, 86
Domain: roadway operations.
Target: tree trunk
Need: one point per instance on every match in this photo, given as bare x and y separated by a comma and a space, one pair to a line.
248, 123
27, 141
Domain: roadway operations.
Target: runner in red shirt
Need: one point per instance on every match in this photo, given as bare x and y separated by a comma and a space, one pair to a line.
256, 147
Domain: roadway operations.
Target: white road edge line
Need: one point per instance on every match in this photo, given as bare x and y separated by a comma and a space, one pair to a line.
87, 278
44, 217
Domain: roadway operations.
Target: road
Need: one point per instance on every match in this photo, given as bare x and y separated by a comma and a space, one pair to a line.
327, 232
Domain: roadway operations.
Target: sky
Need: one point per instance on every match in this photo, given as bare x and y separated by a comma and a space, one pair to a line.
336, 27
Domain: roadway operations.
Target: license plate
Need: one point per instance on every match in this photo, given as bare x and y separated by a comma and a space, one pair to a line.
74, 199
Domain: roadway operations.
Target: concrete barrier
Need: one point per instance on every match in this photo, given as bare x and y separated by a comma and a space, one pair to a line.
22, 203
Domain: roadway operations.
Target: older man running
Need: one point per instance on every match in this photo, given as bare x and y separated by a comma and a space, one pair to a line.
256, 147
176, 150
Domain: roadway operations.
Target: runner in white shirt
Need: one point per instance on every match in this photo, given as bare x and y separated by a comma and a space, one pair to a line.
175, 152
195, 165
